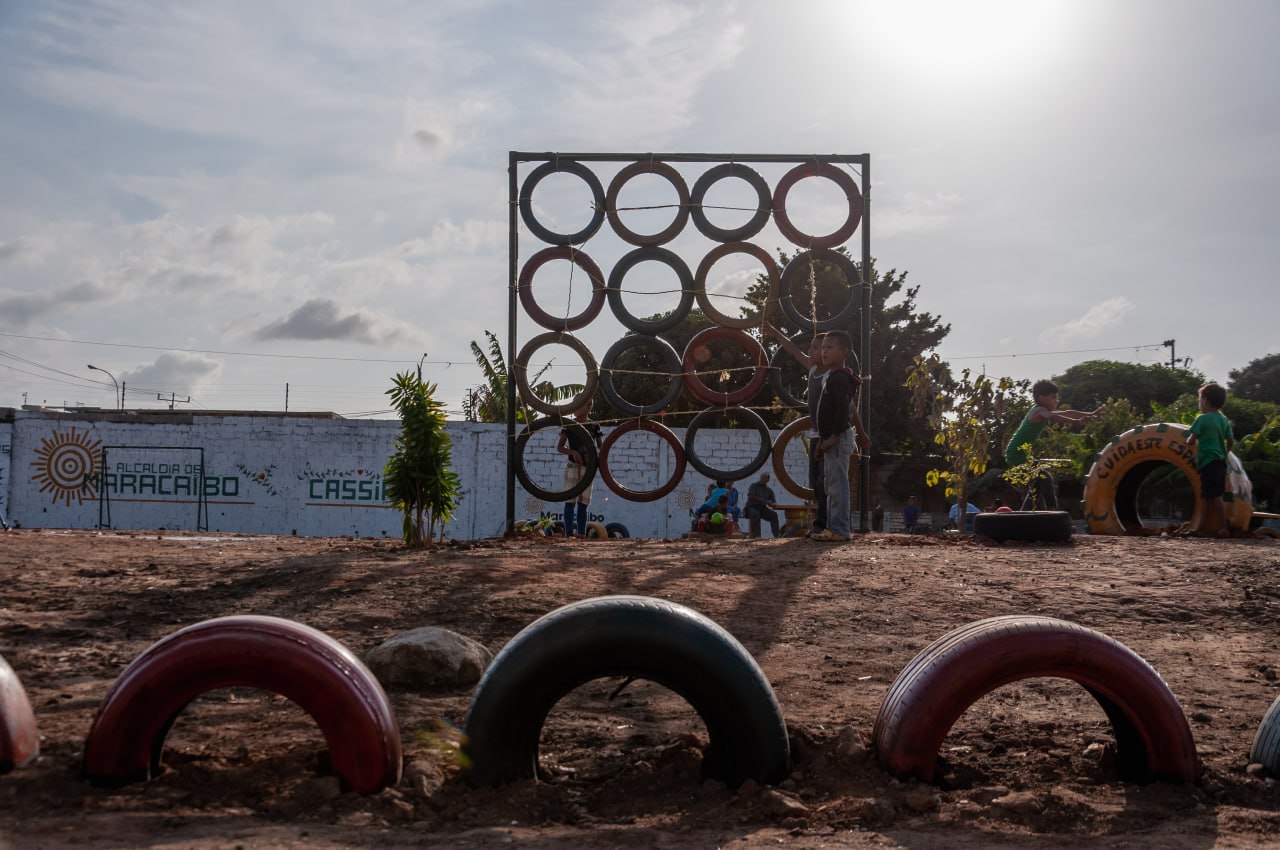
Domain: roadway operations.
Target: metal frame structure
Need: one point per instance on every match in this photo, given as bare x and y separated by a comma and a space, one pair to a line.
515, 158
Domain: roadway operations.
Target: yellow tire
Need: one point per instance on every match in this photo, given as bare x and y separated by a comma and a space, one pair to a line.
596, 531
1111, 490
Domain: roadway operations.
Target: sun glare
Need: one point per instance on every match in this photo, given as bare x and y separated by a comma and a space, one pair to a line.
962, 41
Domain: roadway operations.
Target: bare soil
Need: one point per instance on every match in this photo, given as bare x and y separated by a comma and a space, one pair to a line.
1028, 766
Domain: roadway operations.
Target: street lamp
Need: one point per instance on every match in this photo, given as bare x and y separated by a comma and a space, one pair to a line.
119, 403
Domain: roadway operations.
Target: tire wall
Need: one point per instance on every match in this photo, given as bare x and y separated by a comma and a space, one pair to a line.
1111, 489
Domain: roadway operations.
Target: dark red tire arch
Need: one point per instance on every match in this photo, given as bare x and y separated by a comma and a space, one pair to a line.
668, 436
639, 636
672, 176
748, 343
1153, 740
796, 428
520, 368
583, 262
836, 175
718, 253
315, 671
19, 738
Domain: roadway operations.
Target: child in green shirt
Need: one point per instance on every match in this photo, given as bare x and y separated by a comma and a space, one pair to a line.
1210, 435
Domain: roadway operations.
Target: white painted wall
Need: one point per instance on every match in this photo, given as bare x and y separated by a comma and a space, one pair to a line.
314, 476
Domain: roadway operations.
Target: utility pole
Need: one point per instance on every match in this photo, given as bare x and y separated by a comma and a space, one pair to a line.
173, 398
1173, 351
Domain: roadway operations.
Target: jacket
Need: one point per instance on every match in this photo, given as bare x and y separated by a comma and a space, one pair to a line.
834, 403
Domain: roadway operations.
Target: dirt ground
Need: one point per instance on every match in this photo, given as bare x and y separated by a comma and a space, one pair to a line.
1028, 766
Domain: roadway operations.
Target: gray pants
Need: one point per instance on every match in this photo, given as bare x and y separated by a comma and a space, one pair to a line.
835, 474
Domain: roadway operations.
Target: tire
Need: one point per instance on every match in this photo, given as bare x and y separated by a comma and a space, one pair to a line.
835, 174
1030, 526
776, 362
764, 202
583, 262
638, 636
703, 298
703, 418
1266, 742
670, 359
19, 737
673, 177
596, 531
677, 473
785, 436
567, 166
1153, 740
749, 344
315, 671
619, 273
521, 371
797, 270
584, 439
617, 531
1111, 489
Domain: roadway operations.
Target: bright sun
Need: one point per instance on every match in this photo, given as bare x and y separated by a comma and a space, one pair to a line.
962, 39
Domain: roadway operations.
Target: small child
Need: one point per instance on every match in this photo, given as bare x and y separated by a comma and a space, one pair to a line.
839, 430
1210, 435
1044, 411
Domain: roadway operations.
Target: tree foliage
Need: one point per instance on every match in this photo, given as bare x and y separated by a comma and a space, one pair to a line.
1259, 380
1259, 454
965, 416
1086, 385
488, 401
419, 481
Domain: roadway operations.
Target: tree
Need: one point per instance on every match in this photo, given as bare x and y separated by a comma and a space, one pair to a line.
1087, 385
899, 334
964, 414
488, 401
1259, 454
1260, 380
418, 479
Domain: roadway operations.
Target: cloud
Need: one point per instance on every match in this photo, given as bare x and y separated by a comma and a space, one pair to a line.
19, 311
324, 319
915, 214
181, 372
1100, 317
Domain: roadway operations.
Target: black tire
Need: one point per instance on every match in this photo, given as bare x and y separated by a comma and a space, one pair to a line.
737, 234
1029, 526
703, 419
671, 361
798, 269
617, 530
567, 166
583, 439
781, 357
637, 636
1266, 742
618, 274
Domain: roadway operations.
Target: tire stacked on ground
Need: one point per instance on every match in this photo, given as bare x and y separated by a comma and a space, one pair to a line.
1027, 526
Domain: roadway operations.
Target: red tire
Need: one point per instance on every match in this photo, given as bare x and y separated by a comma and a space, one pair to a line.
1153, 740
312, 669
836, 175
19, 740
749, 344
666, 434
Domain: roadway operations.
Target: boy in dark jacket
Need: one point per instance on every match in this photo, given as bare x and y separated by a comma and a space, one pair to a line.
839, 429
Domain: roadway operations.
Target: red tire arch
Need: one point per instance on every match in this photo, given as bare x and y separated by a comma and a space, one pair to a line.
1153, 740
748, 343
716, 254
19, 739
836, 175
583, 262
654, 428
672, 176
305, 665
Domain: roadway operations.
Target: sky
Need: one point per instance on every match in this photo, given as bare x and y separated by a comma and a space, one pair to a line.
246, 204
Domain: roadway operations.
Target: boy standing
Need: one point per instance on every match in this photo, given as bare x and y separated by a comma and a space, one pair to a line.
839, 426
1210, 435
1044, 411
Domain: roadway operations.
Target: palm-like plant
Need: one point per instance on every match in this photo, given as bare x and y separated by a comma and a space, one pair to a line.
487, 402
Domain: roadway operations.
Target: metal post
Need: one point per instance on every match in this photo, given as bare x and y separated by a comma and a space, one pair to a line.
119, 399
513, 248
864, 469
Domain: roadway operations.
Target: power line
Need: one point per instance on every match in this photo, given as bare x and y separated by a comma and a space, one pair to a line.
1048, 353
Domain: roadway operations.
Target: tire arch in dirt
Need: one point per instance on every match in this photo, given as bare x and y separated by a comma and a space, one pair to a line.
19, 737
1153, 740
1111, 489
635, 636
315, 671
1266, 741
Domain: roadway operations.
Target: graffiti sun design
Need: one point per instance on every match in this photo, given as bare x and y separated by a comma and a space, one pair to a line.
66, 465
